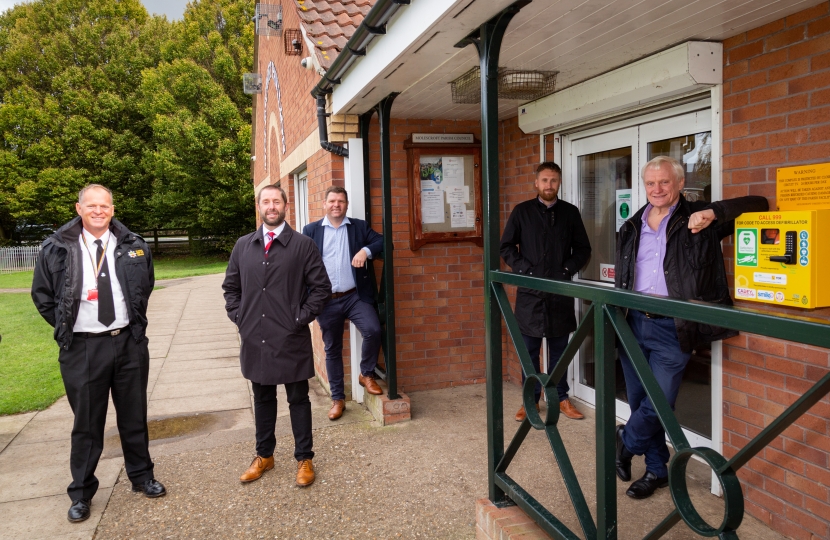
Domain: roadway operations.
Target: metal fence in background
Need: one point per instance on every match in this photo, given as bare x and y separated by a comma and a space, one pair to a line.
18, 258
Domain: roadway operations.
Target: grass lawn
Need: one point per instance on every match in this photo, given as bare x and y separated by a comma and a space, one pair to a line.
166, 268
30, 377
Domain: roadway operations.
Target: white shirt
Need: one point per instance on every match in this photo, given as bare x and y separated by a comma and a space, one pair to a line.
276, 232
87, 320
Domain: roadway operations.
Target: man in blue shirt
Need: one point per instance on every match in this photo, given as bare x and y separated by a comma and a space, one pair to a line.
346, 245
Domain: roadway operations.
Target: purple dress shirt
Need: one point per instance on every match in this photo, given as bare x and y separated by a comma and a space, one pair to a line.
648, 272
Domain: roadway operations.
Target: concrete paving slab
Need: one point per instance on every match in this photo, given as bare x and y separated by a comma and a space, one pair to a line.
35, 454
190, 336
59, 408
170, 377
194, 404
210, 343
211, 363
185, 355
44, 480
45, 517
156, 331
10, 426
195, 387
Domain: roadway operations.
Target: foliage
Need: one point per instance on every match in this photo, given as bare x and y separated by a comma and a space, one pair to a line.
99, 91
30, 376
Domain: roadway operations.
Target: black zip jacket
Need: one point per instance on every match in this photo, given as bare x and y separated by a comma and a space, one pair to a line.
548, 243
58, 279
693, 264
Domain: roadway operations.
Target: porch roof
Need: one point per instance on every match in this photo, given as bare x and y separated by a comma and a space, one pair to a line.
578, 38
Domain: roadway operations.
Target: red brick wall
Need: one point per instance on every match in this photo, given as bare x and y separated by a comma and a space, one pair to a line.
777, 113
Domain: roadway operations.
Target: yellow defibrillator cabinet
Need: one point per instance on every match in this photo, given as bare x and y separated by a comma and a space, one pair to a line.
783, 258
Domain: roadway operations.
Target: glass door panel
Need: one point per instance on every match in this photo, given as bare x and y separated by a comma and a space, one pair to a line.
688, 139
601, 174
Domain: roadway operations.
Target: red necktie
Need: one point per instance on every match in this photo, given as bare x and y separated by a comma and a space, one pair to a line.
270, 241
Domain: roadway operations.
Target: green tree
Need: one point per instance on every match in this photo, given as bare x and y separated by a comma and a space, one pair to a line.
68, 71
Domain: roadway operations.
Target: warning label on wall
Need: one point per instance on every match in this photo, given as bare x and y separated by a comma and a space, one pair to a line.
805, 187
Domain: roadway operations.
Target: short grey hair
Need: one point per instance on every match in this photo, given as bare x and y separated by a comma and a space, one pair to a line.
92, 186
659, 161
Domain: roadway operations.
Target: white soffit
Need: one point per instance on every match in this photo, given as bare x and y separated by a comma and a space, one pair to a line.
430, 28
680, 70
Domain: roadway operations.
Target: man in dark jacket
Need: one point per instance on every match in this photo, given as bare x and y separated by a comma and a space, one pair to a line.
545, 237
100, 325
346, 244
670, 247
275, 285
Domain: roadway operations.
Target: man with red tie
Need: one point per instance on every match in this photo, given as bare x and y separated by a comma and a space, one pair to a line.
275, 285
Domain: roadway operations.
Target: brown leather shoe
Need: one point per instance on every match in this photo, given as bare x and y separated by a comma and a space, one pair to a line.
521, 415
258, 467
337, 408
567, 408
305, 473
370, 385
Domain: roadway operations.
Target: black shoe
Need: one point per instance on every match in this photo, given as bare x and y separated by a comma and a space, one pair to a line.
79, 511
151, 488
623, 456
646, 486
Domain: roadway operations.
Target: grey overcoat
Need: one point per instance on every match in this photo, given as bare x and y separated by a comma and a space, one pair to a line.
272, 300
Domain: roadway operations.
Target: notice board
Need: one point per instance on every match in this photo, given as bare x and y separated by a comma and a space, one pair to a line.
444, 185
806, 187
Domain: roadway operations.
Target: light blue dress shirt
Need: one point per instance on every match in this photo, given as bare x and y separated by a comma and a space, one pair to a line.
337, 256
648, 272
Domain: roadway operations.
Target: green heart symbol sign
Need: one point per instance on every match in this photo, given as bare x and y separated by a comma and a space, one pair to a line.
746, 240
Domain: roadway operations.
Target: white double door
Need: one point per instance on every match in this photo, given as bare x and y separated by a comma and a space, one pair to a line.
601, 175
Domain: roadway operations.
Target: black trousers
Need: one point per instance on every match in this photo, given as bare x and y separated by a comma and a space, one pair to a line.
91, 368
265, 417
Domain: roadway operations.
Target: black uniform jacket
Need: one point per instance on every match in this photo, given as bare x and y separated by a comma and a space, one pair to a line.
360, 236
548, 243
693, 264
58, 279
272, 301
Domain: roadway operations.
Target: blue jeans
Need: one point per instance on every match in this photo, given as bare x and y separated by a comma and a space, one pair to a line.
644, 434
556, 346
331, 321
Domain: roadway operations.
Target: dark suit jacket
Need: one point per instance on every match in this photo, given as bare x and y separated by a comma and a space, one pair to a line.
360, 236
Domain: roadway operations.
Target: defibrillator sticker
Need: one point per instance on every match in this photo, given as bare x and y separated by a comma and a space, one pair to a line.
771, 279
747, 246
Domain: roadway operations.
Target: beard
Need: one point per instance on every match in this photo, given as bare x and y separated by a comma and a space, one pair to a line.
548, 196
273, 220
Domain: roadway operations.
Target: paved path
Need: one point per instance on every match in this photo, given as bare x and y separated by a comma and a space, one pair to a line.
194, 368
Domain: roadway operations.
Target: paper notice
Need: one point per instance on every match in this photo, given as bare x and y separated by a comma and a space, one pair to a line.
453, 169
432, 207
455, 194
458, 214
471, 219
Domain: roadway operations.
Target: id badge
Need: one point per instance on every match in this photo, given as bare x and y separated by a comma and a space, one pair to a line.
92, 294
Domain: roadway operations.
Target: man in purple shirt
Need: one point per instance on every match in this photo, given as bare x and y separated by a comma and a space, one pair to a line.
671, 247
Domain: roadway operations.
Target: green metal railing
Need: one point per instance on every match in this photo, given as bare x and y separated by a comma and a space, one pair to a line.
607, 320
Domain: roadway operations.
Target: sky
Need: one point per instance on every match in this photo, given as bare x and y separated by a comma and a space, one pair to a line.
174, 9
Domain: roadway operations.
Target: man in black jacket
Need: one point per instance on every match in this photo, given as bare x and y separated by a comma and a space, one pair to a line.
275, 285
670, 247
346, 245
545, 237
100, 325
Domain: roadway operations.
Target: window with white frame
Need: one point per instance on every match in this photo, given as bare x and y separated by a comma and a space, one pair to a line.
301, 198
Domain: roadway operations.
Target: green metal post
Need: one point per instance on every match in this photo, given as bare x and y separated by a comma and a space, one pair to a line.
365, 120
488, 40
384, 109
605, 366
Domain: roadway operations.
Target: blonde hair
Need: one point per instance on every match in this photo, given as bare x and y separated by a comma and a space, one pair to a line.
659, 161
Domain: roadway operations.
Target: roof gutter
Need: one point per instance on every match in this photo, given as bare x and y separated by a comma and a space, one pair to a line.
374, 24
